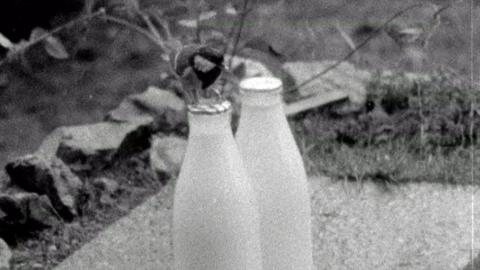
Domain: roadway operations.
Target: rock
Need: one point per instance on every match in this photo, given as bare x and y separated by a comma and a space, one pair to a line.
105, 190
37, 266
52, 248
106, 199
5, 255
92, 147
168, 110
166, 156
126, 130
49, 146
52, 178
42, 212
106, 185
23, 208
344, 78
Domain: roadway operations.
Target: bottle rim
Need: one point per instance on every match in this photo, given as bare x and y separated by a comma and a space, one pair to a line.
262, 84
212, 108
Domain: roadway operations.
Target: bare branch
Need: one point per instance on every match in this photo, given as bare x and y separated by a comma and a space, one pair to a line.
358, 47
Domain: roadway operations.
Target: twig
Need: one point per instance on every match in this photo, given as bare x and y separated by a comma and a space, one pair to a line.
351, 53
43, 37
150, 25
239, 32
229, 37
198, 13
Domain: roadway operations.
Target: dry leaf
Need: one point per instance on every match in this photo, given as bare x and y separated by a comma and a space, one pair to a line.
55, 48
5, 42
192, 23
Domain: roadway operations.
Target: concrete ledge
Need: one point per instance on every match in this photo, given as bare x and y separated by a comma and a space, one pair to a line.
414, 226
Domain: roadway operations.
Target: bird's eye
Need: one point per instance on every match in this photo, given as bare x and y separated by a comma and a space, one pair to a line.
202, 64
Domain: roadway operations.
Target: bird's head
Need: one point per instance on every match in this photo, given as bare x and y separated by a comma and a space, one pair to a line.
198, 67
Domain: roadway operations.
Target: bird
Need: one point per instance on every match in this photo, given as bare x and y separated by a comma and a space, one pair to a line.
205, 62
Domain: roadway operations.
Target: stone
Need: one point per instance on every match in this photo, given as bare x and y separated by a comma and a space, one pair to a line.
106, 185
22, 208
5, 255
52, 178
168, 110
42, 212
166, 156
37, 266
52, 248
13, 211
105, 190
94, 146
49, 146
344, 78
125, 131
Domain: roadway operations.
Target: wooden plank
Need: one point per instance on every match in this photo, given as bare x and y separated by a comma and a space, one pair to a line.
314, 102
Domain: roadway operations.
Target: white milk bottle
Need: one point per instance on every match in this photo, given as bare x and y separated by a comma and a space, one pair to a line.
278, 176
215, 218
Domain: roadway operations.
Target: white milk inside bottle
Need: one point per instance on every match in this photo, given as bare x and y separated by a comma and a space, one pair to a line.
278, 176
215, 220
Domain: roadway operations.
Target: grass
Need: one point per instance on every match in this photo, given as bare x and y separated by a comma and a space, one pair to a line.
385, 144
51, 246
74, 92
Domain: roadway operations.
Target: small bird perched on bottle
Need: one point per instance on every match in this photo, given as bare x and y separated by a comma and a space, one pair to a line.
198, 66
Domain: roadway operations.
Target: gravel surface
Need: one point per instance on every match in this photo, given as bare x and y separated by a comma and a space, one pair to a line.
413, 226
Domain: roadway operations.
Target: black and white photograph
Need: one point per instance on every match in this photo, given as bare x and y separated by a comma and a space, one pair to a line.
239, 135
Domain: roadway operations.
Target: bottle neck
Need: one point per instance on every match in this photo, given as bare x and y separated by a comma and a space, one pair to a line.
209, 124
261, 99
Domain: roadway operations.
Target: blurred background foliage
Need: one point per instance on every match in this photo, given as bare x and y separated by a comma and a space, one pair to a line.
108, 61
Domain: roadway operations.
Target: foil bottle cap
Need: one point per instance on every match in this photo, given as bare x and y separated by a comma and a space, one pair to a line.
212, 108
260, 85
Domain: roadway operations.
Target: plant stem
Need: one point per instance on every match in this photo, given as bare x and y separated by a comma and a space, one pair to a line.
239, 32
150, 25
